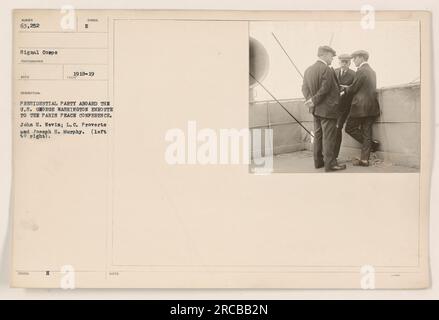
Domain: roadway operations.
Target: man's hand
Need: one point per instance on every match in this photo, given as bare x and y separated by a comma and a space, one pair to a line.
343, 90
310, 105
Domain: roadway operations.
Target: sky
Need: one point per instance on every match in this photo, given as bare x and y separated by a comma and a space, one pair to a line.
394, 48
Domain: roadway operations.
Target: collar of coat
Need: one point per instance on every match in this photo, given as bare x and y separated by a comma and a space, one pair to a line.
362, 64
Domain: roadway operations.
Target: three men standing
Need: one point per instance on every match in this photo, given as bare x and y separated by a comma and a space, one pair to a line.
334, 96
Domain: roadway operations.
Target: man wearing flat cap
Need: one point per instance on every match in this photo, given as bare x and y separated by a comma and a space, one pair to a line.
345, 77
321, 91
364, 107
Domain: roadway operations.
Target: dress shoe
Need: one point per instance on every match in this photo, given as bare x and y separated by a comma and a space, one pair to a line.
336, 168
374, 146
360, 163
319, 164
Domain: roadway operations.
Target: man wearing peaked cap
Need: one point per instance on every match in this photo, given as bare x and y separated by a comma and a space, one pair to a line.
361, 53
345, 77
364, 107
325, 49
321, 91
344, 56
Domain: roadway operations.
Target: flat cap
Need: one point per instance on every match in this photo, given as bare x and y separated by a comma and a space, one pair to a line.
344, 56
361, 53
324, 49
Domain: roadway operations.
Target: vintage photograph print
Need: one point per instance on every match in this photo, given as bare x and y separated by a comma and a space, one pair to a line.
334, 96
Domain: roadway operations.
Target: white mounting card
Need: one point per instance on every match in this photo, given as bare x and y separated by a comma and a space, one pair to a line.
146, 156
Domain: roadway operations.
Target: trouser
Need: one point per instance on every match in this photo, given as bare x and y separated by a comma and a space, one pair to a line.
325, 131
361, 130
340, 123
